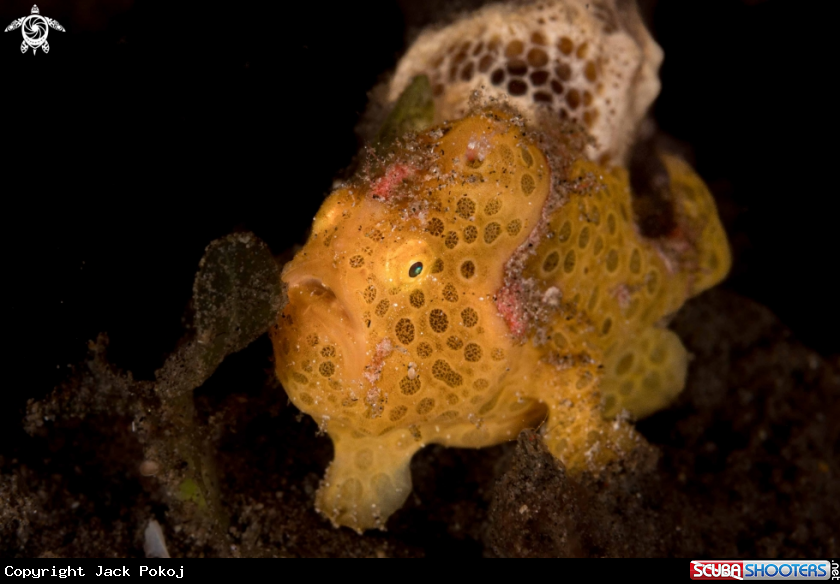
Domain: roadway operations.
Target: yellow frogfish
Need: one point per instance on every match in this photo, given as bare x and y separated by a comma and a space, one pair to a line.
490, 274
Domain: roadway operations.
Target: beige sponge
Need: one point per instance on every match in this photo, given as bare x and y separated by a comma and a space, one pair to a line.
591, 61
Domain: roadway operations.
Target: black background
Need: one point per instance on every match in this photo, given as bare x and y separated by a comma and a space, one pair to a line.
154, 127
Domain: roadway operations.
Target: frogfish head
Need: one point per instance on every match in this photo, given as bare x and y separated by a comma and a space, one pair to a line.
393, 301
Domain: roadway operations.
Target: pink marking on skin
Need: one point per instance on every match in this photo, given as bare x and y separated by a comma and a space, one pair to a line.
622, 294
471, 154
678, 240
674, 245
479, 147
670, 266
373, 370
395, 174
510, 308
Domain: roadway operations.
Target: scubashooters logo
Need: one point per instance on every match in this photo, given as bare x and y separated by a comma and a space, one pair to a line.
35, 29
762, 570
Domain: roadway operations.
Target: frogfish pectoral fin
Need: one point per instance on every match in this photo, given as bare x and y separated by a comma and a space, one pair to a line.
368, 480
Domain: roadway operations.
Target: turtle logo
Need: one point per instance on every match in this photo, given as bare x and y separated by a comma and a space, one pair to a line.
35, 29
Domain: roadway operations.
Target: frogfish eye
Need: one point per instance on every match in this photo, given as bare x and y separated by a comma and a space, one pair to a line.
416, 269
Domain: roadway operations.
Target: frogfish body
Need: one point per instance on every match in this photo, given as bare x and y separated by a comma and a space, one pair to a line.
487, 277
